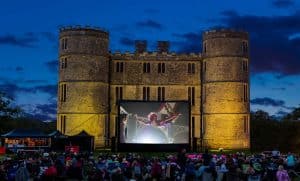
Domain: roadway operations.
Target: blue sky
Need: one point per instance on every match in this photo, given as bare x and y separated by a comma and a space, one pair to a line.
29, 41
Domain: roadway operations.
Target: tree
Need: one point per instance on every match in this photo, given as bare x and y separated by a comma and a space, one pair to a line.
293, 116
6, 108
12, 117
268, 133
264, 131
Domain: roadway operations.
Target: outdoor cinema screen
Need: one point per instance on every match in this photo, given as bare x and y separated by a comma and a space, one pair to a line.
154, 122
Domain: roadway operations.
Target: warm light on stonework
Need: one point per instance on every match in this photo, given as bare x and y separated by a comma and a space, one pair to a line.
93, 76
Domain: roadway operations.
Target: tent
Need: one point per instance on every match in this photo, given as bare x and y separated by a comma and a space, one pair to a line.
58, 141
83, 140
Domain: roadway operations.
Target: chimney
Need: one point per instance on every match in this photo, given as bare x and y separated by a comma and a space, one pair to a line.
140, 46
163, 46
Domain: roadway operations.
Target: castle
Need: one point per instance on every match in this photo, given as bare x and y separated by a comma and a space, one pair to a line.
215, 82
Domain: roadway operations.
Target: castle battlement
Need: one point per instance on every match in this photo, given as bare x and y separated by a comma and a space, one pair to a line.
225, 33
83, 30
155, 56
80, 27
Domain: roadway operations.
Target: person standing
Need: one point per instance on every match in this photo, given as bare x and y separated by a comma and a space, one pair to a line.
22, 173
282, 174
123, 129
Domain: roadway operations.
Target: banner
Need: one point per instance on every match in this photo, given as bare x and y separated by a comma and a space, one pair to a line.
72, 149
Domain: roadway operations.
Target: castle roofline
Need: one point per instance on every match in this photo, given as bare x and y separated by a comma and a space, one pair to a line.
228, 30
83, 28
154, 56
224, 33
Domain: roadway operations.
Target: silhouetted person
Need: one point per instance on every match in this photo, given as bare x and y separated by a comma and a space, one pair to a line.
206, 157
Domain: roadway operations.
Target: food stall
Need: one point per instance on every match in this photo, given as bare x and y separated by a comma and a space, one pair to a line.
26, 139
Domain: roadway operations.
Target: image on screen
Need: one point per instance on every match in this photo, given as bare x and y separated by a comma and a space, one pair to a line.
154, 122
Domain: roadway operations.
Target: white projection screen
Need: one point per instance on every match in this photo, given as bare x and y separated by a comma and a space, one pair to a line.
154, 122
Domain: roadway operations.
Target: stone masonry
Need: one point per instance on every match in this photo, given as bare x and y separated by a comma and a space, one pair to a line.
216, 82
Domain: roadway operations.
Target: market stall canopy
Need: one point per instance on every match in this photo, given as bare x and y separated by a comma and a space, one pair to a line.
82, 134
57, 134
23, 133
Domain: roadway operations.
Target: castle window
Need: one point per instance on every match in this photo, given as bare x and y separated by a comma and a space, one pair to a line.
161, 93
204, 94
64, 44
119, 67
246, 124
161, 67
245, 47
191, 95
119, 93
193, 127
146, 93
245, 93
146, 67
63, 123
63, 92
204, 66
245, 66
63, 63
191, 68
203, 125
204, 47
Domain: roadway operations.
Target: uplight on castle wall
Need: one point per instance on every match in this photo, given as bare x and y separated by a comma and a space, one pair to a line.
215, 82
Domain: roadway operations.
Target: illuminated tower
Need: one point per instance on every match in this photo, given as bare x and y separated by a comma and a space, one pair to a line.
83, 82
225, 90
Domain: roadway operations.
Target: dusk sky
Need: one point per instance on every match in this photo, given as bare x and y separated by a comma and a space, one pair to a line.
29, 42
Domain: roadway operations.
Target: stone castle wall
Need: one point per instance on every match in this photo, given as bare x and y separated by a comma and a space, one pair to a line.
92, 77
84, 71
226, 89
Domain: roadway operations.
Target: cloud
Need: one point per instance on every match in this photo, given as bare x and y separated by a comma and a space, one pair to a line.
19, 69
151, 11
279, 88
283, 3
281, 113
50, 89
188, 42
127, 41
43, 112
149, 24
49, 36
274, 43
52, 65
229, 13
12, 90
266, 101
36, 81
289, 83
47, 108
26, 40
10, 69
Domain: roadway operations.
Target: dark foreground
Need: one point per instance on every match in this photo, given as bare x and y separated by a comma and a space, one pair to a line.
130, 166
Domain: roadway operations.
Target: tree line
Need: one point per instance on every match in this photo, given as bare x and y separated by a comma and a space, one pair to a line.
268, 133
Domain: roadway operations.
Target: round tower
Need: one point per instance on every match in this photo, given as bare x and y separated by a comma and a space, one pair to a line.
83, 88
226, 112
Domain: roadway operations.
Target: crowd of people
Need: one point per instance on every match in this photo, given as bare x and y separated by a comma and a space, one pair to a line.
134, 166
